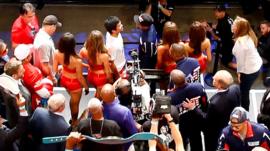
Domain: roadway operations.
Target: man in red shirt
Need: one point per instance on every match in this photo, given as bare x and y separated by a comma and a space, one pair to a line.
25, 27
40, 88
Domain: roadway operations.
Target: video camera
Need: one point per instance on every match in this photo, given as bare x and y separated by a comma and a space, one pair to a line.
133, 70
162, 104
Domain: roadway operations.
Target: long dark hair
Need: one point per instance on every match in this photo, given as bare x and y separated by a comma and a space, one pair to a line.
197, 35
170, 33
66, 45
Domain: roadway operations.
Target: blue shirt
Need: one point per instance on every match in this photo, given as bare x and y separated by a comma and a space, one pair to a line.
149, 35
190, 67
147, 48
188, 91
257, 135
122, 116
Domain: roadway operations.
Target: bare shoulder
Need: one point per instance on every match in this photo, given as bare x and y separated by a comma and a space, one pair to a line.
162, 48
77, 59
206, 43
104, 55
58, 54
188, 48
83, 52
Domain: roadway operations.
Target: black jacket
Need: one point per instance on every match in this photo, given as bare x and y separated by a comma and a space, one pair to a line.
8, 107
218, 114
44, 123
264, 47
264, 115
8, 136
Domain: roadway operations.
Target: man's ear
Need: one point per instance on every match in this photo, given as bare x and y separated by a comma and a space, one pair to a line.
14, 76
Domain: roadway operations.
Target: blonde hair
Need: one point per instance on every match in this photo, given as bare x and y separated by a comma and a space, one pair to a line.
12, 67
56, 101
224, 78
95, 44
243, 28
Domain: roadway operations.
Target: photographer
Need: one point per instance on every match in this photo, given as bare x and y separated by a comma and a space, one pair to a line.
162, 127
124, 92
132, 90
176, 135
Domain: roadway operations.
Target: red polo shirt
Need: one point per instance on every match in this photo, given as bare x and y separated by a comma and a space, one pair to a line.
21, 33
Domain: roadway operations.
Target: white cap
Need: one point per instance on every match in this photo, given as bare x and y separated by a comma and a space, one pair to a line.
22, 51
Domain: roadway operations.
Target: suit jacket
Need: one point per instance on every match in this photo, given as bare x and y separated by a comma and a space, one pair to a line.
264, 115
8, 107
218, 113
45, 123
8, 136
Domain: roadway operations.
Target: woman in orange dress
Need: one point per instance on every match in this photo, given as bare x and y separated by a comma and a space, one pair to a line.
164, 60
71, 76
199, 46
99, 72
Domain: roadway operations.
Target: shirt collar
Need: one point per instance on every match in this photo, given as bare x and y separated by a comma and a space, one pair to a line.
59, 113
250, 132
223, 90
10, 83
45, 33
116, 101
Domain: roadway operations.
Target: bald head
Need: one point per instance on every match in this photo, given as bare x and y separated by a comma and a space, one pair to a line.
56, 103
222, 79
107, 93
178, 77
94, 106
177, 51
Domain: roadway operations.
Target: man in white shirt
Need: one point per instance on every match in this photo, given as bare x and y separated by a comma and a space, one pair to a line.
44, 46
114, 42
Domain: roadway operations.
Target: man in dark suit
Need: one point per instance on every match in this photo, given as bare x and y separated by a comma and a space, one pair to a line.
49, 122
219, 109
8, 136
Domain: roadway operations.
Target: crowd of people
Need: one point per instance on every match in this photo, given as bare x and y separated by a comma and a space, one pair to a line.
33, 111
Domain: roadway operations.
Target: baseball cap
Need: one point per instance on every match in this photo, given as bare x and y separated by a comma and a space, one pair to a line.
51, 20
143, 19
240, 114
22, 51
220, 8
